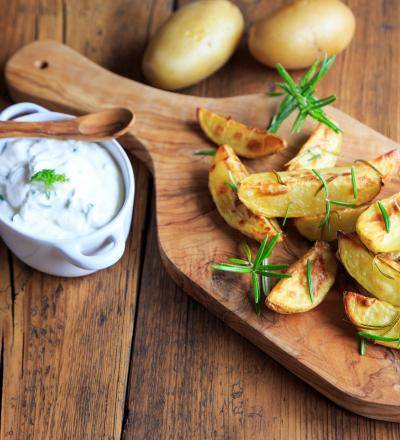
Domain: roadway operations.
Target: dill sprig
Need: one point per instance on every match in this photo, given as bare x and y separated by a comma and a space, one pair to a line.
49, 177
257, 267
301, 96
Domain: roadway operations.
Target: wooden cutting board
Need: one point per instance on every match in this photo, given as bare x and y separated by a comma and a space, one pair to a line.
319, 346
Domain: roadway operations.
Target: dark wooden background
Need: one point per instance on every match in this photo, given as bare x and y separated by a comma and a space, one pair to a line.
125, 353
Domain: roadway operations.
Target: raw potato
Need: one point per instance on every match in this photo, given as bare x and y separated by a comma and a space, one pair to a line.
269, 195
371, 226
320, 151
373, 316
299, 33
378, 274
193, 43
226, 199
344, 220
291, 295
246, 141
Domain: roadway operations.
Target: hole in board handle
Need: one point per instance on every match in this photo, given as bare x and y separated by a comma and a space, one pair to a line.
41, 64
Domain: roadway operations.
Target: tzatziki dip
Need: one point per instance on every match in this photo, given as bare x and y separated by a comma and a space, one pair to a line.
58, 189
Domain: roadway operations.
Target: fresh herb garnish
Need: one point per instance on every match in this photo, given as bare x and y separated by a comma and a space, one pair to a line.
286, 214
377, 337
328, 201
301, 96
48, 177
354, 181
313, 155
205, 153
309, 280
258, 267
385, 216
232, 183
363, 346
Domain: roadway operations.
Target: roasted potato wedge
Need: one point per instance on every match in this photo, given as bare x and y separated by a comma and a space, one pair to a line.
372, 230
344, 220
299, 193
246, 141
291, 295
378, 274
320, 151
370, 315
228, 204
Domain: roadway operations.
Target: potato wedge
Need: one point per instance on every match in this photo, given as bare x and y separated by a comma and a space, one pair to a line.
320, 151
378, 274
373, 316
299, 194
228, 204
291, 295
344, 220
371, 226
246, 141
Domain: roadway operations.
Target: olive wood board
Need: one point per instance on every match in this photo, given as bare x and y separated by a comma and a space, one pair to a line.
320, 347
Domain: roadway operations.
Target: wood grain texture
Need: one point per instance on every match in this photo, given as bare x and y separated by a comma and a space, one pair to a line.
192, 235
66, 343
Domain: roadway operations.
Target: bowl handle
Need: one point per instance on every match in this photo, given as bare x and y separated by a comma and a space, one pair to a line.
72, 252
23, 108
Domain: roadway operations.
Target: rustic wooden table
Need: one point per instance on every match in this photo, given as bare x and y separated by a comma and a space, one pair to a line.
125, 352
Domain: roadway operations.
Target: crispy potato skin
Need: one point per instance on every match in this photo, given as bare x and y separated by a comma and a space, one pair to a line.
263, 194
364, 311
381, 278
291, 295
245, 141
320, 151
227, 201
371, 226
344, 220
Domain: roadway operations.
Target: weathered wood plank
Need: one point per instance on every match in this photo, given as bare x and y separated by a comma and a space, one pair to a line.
66, 343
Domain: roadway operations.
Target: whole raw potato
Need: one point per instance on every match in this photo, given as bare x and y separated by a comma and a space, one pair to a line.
193, 43
299, 33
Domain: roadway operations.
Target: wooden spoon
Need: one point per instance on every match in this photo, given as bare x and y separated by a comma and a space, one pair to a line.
105, 124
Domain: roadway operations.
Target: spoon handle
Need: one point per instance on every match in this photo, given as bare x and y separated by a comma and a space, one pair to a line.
65, 129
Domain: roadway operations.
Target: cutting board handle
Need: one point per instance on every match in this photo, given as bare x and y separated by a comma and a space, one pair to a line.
52, 74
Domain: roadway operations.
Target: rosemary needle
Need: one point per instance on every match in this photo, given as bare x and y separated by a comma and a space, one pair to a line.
354, 181
205, 153
363, 346
377, 337
232, 184
385, 216
309, 280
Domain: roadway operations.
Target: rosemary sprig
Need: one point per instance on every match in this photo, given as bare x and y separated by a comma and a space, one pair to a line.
205, 153
354, 181
385, 215
232, 182
257, 268
309, 280
301, 96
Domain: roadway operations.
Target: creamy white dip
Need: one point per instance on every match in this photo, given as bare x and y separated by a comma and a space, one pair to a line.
92, 195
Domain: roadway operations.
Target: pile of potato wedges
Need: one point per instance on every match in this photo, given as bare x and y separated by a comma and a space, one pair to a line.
301, 193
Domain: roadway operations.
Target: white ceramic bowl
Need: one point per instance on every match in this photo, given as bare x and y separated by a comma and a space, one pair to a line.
78, 256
